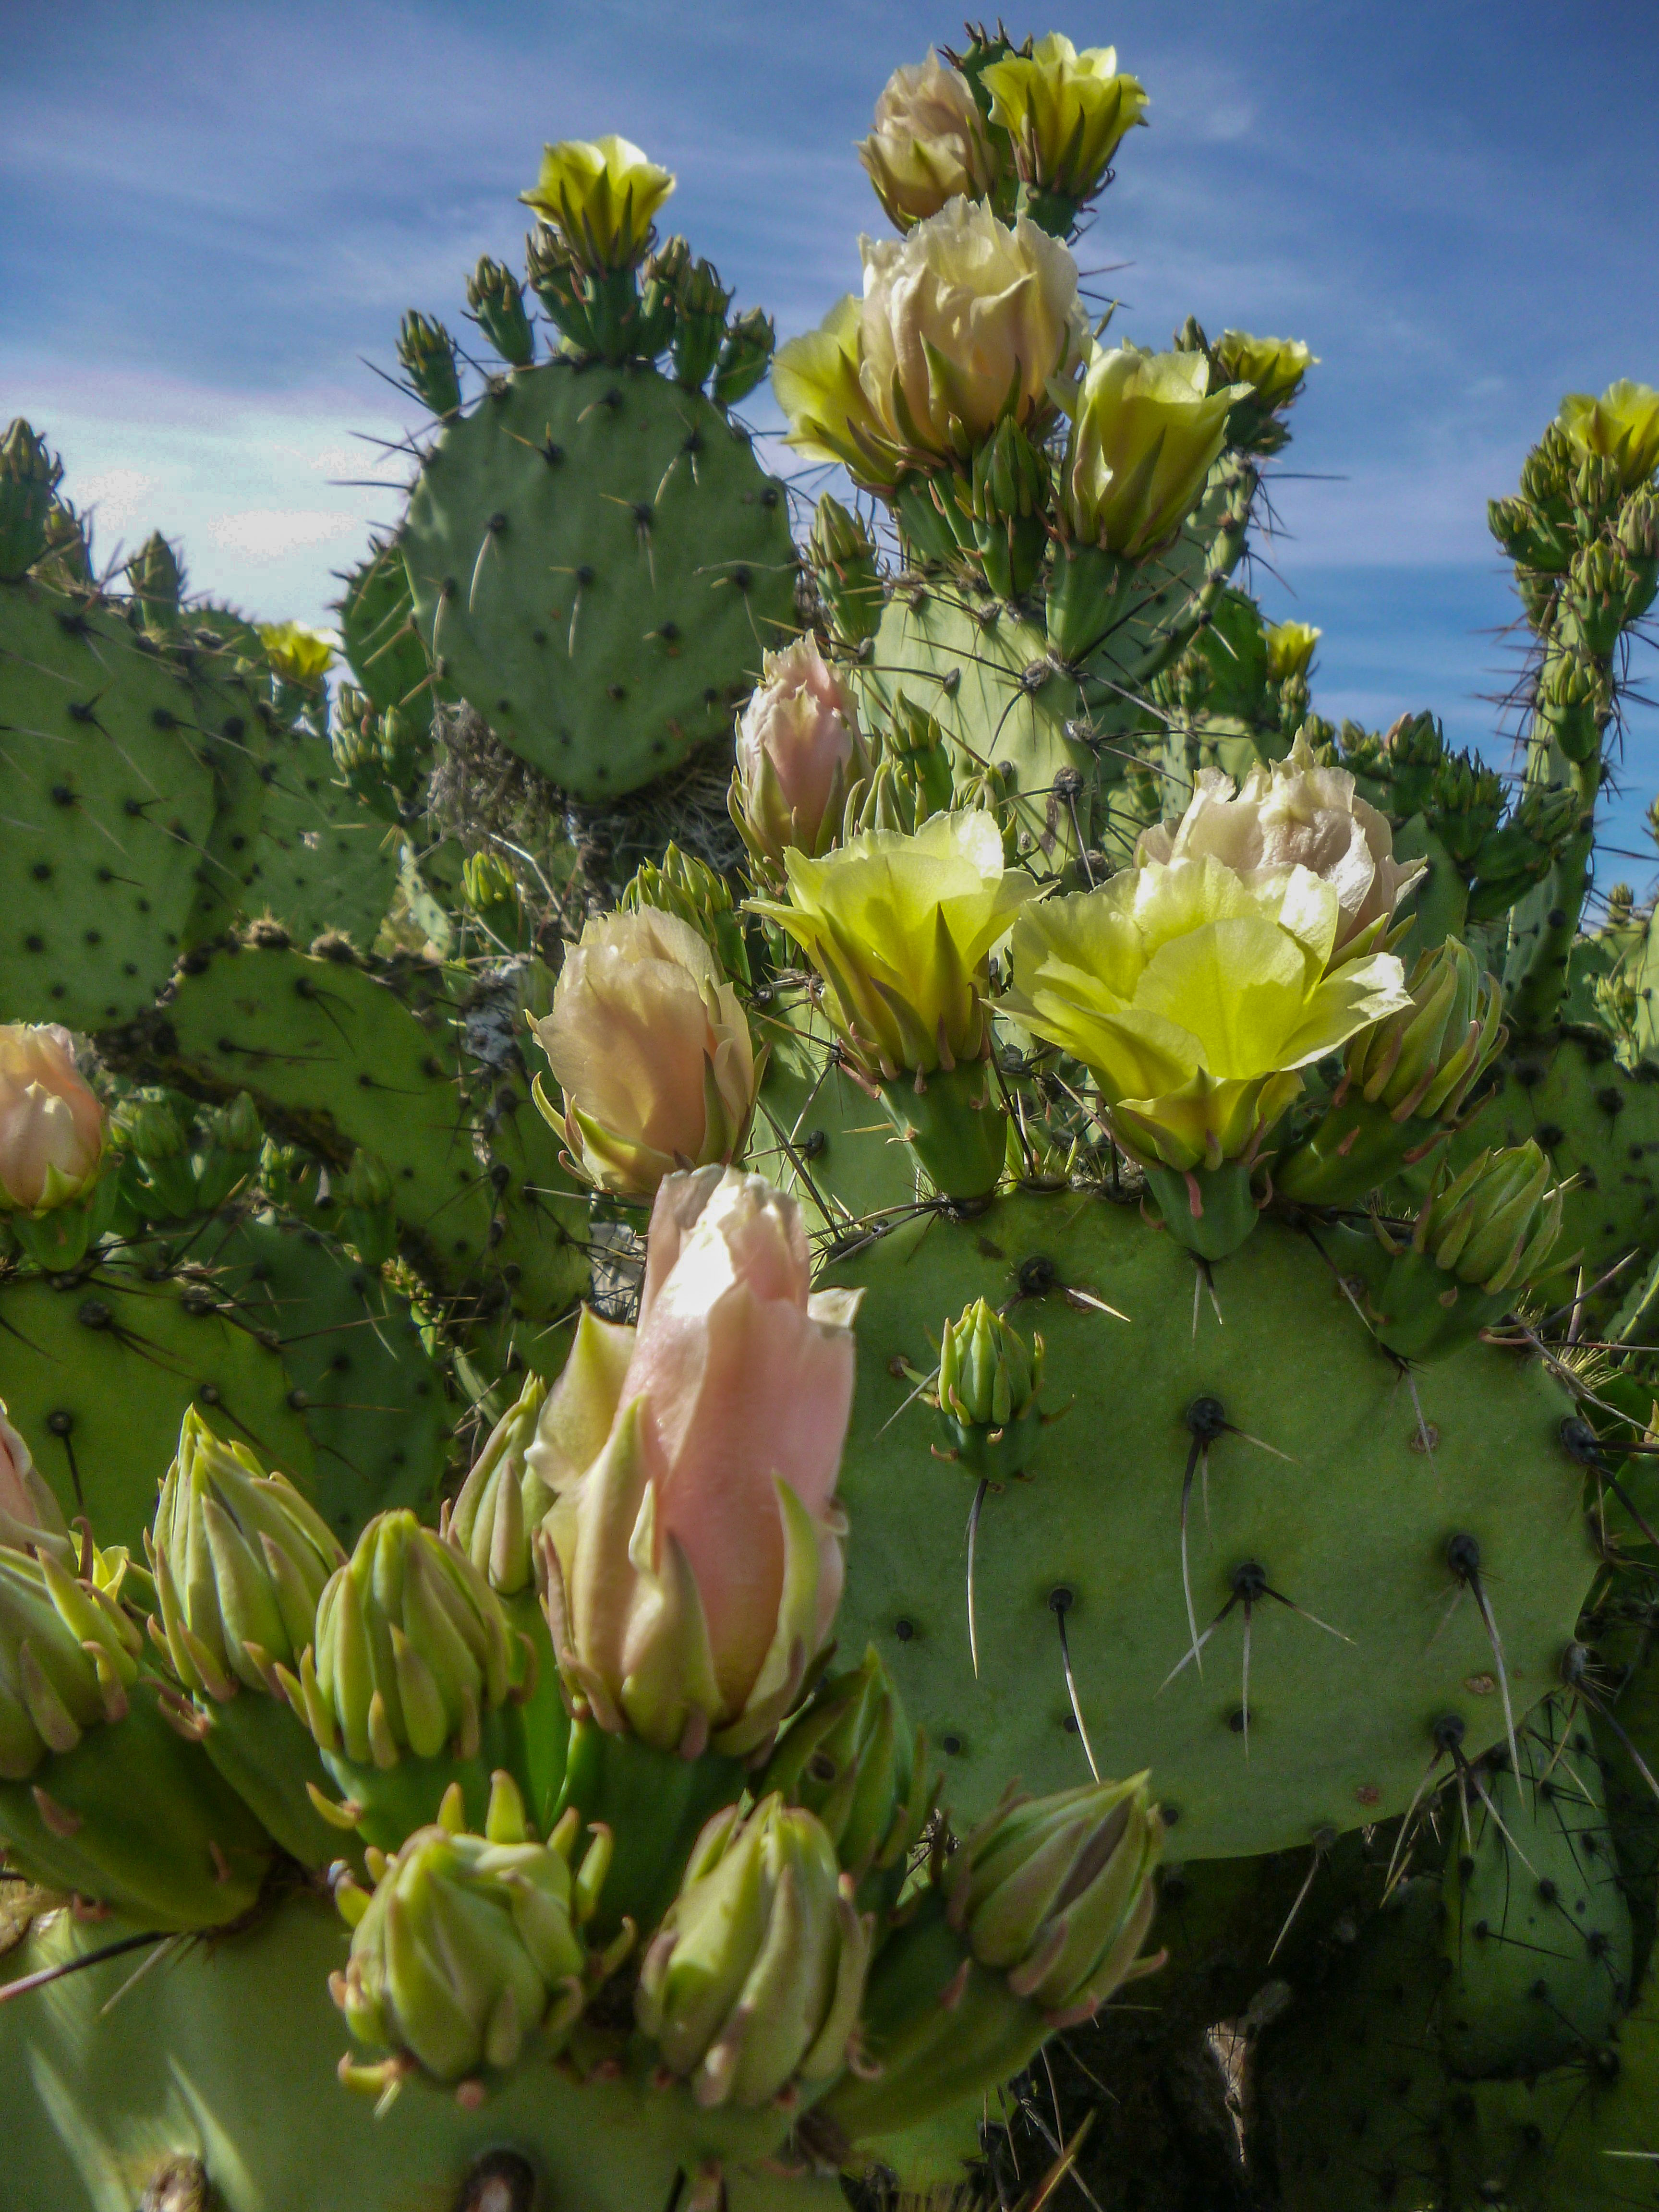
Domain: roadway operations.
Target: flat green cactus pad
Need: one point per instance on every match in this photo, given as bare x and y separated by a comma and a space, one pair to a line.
98, 1377
320, 861
1320, 1485
226, 2054
840, 1147
368, 1393
114, 756
598, 563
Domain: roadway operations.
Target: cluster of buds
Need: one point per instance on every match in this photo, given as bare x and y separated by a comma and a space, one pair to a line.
378, 757
1403, 1082
842, 554
652, 1053
470, 1948
680, 883
753, 1981
900, 929
1479, 1242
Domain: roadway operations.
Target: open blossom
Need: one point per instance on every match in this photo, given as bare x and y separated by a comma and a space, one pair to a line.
52, 1126
1622, 425
1067, 112
1194, 994
797, 739
601, 194
928, 142
650, 1050
1146, 430
1295, 814
964, 321
692, 1559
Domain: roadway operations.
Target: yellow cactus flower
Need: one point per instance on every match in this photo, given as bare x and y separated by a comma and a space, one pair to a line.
652, 1051
901, 928
602, 195
1145, 431
1291, 646
1193, 997
297, 654
928, 144
1067, 112
963, 322
1623, 424
1272, 368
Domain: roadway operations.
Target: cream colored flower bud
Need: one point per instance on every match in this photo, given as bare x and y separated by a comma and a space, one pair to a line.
652, 1050
52, 1126
929, 142
1295, 814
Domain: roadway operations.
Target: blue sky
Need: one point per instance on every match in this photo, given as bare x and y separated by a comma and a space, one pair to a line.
212, 211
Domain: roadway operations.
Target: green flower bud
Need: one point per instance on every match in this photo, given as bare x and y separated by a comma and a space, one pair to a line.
154, 1131
754, 1980
745, 357
987, 1394
491, 889
1056, 1892
469, 1949
843, 557
681, 884
502, 1503
497, 299
1009, 501
68, 1657
427, 354
66, 561
1413, 750
1522, 851
660, 275
564, 289
412, 1649
289, 1177
1605, 592
699, 304
239, 1560
156, 581
1575, 705
368, 1219
233, 1136
29, 476
1480, 1239
850, 1760
1403, 1082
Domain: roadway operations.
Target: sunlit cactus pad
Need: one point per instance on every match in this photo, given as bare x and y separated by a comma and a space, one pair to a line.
598, 563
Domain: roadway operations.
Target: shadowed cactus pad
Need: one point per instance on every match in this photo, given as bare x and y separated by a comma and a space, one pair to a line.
597, 564
1318, 1501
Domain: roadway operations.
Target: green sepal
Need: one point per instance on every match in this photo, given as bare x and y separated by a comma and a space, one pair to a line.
395, 1801
1425, 1314
1355, 1148
952, 1121
655, 1804
938, 2026
265, 1753
160, 1835
543, 1715
61, 1239
1209, 1210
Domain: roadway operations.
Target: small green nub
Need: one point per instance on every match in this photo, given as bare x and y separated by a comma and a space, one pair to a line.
497, 299
428, 354
29, 476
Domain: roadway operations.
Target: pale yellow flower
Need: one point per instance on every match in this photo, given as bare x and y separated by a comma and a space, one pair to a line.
901, 928
1291, 647
1193, 997
1623, 424
298, 654
1272, 368
1145, 431
1067, 112
602, 195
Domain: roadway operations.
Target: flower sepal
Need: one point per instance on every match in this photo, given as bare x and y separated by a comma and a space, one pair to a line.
1210, 1210
954, 1123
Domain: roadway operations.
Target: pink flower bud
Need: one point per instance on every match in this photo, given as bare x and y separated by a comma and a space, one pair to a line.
702, 1564
52, 1126
31, 1518
797, 741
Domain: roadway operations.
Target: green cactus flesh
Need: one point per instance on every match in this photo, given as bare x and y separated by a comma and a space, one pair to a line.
1320, 1485
116, 757
225, 2056
383, 647
1537, 1932
320, 862
597, 564
98, 1375
363, 1383
833, 1143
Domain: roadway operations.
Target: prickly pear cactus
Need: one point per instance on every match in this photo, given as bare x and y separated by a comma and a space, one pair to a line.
683, 1467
